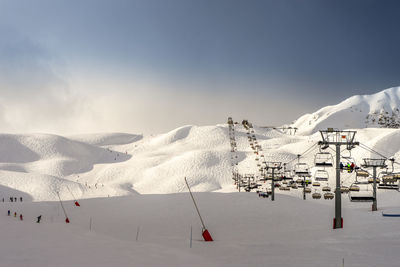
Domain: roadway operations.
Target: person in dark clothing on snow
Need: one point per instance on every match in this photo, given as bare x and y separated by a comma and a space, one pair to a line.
39, 218
20, 199
8, 213
11, 199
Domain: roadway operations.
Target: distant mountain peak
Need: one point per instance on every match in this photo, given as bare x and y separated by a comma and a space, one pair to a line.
379, 110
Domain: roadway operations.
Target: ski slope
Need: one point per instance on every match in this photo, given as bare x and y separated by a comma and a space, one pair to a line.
248, 231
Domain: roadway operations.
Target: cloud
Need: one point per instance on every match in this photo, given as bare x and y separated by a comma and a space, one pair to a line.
33, 96
39, 94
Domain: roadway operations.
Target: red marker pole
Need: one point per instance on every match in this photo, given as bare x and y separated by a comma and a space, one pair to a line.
205, 233
62, 206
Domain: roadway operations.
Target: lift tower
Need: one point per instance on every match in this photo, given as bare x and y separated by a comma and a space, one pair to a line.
374, 163
273, 166
338, 138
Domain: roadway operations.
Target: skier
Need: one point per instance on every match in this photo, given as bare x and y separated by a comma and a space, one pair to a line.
15, 214
11, 199
39, 218
20, 199
352, 166
15, 199
20, 217
8, 213
341, 166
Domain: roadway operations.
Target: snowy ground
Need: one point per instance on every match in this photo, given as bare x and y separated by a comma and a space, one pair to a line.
248, 231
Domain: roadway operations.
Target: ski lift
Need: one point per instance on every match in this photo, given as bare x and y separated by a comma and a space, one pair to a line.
316, 195
354, 188
295, 186
301, 169
364, 193
326, 188
362, 173
316, 184
344, 189
321, 175
287, 175
329, 195
389, 181
307, 190
323, 159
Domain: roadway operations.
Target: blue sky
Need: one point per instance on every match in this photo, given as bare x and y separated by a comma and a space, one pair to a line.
153, 65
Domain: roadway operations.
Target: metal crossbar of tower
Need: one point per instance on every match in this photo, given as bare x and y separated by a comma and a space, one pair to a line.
374, 163
273, 166
338, 138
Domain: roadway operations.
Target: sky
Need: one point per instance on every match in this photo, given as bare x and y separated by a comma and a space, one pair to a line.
149, 66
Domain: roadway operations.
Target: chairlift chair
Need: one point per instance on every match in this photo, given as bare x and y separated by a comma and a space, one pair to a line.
326, 188
329, 195
364, 194
316, 184
323, 159
354, 188
316, 195
301, 169
389, 181
344, 189
321, 175
362, 173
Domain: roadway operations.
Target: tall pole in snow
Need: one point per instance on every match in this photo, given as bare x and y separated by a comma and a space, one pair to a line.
194, 202
273, 185
205, 233
374, 163
338, 195
62, 206
337, 138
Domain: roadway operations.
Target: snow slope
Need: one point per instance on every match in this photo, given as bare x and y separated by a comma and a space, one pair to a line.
39, 165
248, 231
351, 113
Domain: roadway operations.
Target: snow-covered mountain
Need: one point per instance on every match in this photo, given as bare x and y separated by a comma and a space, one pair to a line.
360, 111
36, 166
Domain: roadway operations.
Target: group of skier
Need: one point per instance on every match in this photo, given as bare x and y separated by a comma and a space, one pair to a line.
21, 217
13, 199
349, 167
